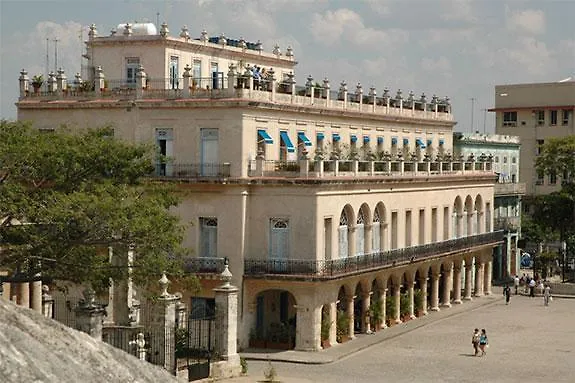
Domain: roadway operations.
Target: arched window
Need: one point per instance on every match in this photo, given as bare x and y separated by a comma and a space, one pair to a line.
455, 223
376, 232
342, 233
360, 233
279, 238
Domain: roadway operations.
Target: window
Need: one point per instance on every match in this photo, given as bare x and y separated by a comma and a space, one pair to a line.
552, 178
497, 159
509, 118
553, 117
565, 117
208, 237
540, 115
514, 178
196, 74
279, 238
539, 148
540, 176
504, 160
376, 232
513, 160
342, 234
132, 65
202, 308
174, 72
360, 233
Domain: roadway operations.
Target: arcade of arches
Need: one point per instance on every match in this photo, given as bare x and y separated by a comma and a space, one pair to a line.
308, 315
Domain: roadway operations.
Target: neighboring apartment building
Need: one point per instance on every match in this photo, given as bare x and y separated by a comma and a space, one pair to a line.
535, 113
322, 201
504, 151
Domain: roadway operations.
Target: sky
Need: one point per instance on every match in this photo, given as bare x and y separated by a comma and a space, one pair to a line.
455, 48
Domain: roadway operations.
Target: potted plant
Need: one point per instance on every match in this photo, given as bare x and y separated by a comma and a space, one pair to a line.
376, 314
418, 302
390, 310
37, 82
404, 307
325, 327
342, 325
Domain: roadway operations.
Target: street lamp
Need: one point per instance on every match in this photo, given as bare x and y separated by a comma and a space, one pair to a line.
564, 257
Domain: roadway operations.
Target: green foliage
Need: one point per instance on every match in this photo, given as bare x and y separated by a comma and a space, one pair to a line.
181, 336
325, 323
557, 155
390, 307
342, 325
244, 365
418, 299
376, 311
77, 195
38, 80
404, 304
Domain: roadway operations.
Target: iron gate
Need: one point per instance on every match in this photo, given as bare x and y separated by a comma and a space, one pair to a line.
195, 344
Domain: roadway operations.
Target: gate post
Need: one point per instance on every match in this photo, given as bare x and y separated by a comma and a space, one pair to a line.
164, 324
227, 321
90, 315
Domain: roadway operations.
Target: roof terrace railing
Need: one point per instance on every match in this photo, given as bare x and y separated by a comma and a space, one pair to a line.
328, 269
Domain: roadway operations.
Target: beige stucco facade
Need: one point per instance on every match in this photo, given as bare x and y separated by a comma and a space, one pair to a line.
535, 113
321, 203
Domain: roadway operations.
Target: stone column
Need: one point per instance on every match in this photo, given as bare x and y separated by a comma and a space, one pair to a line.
36, 295
308, 335
355, 167
61, 83
446, 298
410, 290
24, 82
468, 279
188, 83
227, 320
383, 297
47, 303
52, 86
457, 282
23, 289
350, 316
89, 315
397, 295
140, 82
304, 165
163, 325
423, 284
478, 278
333, 324
100, 82
365, 324
487, 271
435, 290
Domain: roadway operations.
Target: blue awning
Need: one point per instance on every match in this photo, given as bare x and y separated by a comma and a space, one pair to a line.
303, 138
336, 137
319, 136
419, 143
380, 140
353, 138
429, 142
406, 141
441, 142
265, 136
287, 142
366, 139
394, 140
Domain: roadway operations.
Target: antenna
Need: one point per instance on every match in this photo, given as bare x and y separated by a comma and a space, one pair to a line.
472, 109
158, 20
484, 118
55, 54
47, 57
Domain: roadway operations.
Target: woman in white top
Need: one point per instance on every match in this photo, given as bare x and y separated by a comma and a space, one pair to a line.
547, 295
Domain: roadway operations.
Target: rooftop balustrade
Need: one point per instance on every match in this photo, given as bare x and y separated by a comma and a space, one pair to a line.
244, 85
330, 269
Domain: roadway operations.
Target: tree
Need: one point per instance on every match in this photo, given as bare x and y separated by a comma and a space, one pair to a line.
66, 198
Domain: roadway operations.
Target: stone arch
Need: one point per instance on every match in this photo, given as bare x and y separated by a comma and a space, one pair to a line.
362, 230
457, 215
275, 320
468, 217
478, 212
343, 314
358, 303
379, 228
346, 223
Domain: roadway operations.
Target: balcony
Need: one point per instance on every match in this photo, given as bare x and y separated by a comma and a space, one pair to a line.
237, 86
507, 223
192, 171
509, 189
331, 269
204, 265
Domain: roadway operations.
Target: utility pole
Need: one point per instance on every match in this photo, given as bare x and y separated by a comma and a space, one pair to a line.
47, 57
472, 109
484, 118
55, 55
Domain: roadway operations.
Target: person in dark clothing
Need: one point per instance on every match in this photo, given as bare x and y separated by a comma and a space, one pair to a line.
507, 293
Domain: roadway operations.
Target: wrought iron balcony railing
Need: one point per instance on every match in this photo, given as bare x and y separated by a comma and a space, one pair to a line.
204, 265
502, 189
203, 170
507, 223
327, 269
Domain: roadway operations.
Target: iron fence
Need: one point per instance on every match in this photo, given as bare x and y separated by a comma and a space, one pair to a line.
204, 265
338, 267
193, 170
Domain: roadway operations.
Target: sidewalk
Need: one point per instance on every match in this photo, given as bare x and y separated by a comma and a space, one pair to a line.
363, 341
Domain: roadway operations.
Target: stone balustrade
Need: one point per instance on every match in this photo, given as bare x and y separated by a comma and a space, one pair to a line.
238, 84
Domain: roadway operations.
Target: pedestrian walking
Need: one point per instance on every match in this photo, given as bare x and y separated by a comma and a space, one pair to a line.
516, 283
475, 341
547, 295
483, 341
532, 285
507, 294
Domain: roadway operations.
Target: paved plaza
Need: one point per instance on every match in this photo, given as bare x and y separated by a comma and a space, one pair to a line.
528, 343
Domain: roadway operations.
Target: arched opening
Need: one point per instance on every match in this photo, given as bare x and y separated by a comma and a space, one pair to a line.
360, 244
376, 316
275, 326
379, 229
457, 218
343, 232
342, 320
468, 219
326, 323
478, 211
358, 318
419, 299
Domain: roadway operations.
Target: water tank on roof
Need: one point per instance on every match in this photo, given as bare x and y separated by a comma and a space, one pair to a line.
139, 29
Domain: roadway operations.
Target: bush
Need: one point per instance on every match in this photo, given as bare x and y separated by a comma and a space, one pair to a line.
404, 304
244, 364
342, 325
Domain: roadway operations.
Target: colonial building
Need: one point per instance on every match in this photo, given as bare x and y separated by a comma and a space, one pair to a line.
504, 152
535, 113
336, 209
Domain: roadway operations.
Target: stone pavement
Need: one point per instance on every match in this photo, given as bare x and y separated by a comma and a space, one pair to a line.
363, 341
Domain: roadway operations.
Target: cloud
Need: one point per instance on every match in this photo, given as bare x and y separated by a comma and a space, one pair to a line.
440, 66
531, 56
380, 7
529, 21
458, 10
345, 24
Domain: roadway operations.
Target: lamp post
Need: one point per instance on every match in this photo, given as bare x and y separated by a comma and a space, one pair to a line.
564, 258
